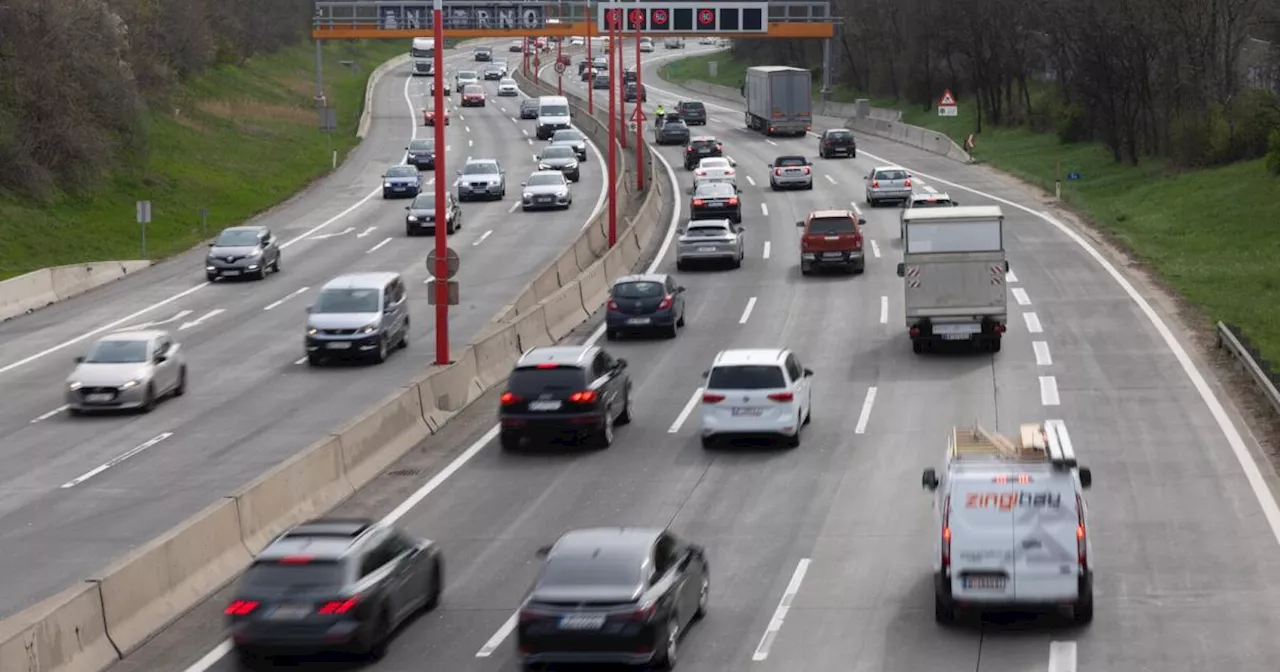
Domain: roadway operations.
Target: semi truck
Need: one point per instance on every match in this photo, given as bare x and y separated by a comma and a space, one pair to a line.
778, 100
953, 270
423, 52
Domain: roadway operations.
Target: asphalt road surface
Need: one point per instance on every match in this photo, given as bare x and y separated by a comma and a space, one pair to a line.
252, 400
838, 530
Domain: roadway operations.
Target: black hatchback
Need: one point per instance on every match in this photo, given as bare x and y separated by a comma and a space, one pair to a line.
565, 392
837, 142
716, 200
645, 303
693, 112
700, 148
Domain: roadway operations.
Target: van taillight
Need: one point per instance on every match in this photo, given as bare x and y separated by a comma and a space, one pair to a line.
1082, 538
946, 535
782, 396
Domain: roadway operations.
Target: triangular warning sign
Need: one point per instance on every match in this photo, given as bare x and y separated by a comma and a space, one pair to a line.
947, 99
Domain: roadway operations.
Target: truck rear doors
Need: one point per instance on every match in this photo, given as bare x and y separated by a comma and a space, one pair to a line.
980, 522
1045, 528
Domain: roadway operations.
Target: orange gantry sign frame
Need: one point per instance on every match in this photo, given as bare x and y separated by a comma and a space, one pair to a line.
777, 30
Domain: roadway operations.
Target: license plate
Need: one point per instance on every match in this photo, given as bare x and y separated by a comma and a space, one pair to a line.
960, 330
338, 345
544, 199
101, 396
231, 272
290, 612
399, 188
739, 410
985, 582
706, 249
638, 320
715, 204
544, 405
832, 255
579, 622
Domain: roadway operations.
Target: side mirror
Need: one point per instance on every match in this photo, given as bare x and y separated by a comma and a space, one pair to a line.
808, 373
212, 243
80, 359
770, 165
621, 363
955, 204
800, 225
544, 551
902, 270
310, 309
706, 374
161, 359
408, 207
862, 221
458, 173
524, 184
733, 163
739, 190
681, 288
929, 479
1086, 477
1006, 265
740, 229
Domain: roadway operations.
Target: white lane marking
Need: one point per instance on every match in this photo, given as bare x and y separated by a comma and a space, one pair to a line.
1062, 657
115, 460
517, 204
448, 148
884, 310
751, 181
467, 128
1049, 391
301, 360
530, 141
496, 640
1041, 348
484, 235
210, 659
764, 209
335, 234
471, 143
514, 120
929, 189
377, 247
746, 313
367, 231
1033, 323
525, 131
771, 142
276, 304
767, 247
1020, 295
875, 249
203, 318
830, 179
535, 157
1010, 277
50, 414
780, 614
684, 412
865, 416
156, 323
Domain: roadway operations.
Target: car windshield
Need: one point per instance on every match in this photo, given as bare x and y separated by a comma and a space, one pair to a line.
535, 381
118, 351
932, 203
507, 82
596, 571
237, 238
746, 377
422, 145
690, 107
424, 202
467, 74
704, 144
529, 103
402, 171
554, 110
346, 301
566, 136
639, 290
472, 89
715, 190
545, 180
706, 231
831, 225
275, 575
891, 175
785, 161
675, 125
480, 169
558, 152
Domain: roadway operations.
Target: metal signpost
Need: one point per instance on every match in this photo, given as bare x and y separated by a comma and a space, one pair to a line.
615, 17
144, 218
591, 96
443, 285
638, 116
560, 67
615, 78
442, 250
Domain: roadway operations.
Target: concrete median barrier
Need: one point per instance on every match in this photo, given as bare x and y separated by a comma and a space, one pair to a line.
495, 355
593, 288
27, 292
65, 633
74, 280
531, 330
298, 489
434, 416
154, 585
615, 264
458, 384
565, 311
582, 251
567, 266
370, 443
546, 283
598, 239
913, 136
631, 248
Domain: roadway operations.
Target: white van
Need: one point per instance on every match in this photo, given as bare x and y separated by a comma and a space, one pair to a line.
553, 115
1012, 529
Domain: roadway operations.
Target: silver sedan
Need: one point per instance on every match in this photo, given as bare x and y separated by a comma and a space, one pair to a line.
716, 240
546, 189
127, 370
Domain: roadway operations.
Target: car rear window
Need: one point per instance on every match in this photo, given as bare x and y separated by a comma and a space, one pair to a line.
831, 225
839, 135
715, 190
310, 575
534, 380
472, 89
932, 203
704, 144
746, 377
784, 161
691, 107
608, 571
891, 175
706, 231
639, 290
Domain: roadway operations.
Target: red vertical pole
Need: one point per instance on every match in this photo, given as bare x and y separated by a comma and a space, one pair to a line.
560, 76
524, 48
639, 114
441, 271
591, 30
612, 187
616, 78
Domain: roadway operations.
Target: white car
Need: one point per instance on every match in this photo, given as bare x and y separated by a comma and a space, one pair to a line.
707, 40
715, 166
753, 393
1011, 524
577, 41
646, 46
507, 87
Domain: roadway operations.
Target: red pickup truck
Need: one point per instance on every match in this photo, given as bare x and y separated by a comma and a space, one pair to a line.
831, 239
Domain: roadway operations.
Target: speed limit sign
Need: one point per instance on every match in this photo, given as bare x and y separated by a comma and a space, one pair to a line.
559, 67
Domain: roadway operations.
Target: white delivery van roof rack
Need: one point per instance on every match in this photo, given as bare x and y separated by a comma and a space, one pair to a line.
1037, 442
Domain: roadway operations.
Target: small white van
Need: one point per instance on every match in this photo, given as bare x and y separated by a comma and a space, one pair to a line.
553, 115
1012, 529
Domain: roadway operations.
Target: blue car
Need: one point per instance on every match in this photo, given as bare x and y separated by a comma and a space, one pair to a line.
401, 181
645, 303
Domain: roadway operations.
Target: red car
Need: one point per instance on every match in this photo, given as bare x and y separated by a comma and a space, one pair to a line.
429, 117
473, 96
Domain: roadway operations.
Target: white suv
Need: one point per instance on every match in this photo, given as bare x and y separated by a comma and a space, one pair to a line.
756, 392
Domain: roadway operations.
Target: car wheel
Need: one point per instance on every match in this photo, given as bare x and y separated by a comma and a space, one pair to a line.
704, 593
671, 648
149, 401
793, 441
262, 272
247, 661
604, 438
943, 612
381, 637
810, 186
624, 418
380, 355
275, 265
610, 335
437, 586
672, 331
680, 265
409, 232
917, 347
680, 322
806, 270
403, 343
181, 388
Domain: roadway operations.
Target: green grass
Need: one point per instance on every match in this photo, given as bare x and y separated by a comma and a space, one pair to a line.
1208, 233
234, 140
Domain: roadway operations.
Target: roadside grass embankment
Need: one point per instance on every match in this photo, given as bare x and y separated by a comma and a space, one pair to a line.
1212, 235
236, 141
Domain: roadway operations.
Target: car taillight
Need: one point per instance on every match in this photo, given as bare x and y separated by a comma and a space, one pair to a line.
240, 608
583, 397
339, 606
782, 396
719, 148
733, 200
1082, 538
857, 241
508, 399
806, 170
777, 171
527, 614
946, 535
613, 306
710, 398
643, 614
729, 172
907, 183
666, 303
875, 184
698, 201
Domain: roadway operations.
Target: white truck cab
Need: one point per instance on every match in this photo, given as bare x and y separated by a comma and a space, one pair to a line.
1012, 530
553, 115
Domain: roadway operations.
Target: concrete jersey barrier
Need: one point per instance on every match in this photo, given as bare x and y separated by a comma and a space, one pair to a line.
37, 289
65, 633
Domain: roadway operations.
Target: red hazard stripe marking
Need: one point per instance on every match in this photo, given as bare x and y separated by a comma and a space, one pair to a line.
913, 271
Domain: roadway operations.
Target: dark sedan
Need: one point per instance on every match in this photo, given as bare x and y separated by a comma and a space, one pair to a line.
671, 132
700, 148
421, 216
421, 154
716, 200
402, 181
529, 108
645, 303
614, 595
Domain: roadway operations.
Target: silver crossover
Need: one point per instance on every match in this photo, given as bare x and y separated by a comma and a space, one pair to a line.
127, 370
482, 178
508, 87
546, 189
710, 240
574, 138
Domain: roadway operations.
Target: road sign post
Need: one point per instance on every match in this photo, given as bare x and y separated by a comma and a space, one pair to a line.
947, 105
443, 287
559, 68
637, 119
204, 222
440, 256
144, 218
591, 95
637, 22
615, 17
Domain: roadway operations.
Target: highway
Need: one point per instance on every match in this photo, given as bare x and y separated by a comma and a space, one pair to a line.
820, 556
78, 492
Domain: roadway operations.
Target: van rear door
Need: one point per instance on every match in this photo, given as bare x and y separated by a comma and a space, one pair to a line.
1046, 553
981, 523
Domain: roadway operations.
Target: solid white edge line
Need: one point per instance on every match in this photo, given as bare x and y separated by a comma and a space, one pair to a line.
1010, 276
290, 295
684, 412
746, 312
116, 460
1020, 295
1049, 391
865, 416
1062, 657
884, 310
767, 246
1043, 358
780, 614
377, 247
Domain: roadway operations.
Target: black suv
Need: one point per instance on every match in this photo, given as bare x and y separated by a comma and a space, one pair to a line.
836, 142
332, 584
629, 93
561, 392
693, 112
700, 148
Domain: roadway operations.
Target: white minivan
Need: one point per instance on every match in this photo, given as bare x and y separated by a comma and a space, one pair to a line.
762, 392
553, 115
1012, 531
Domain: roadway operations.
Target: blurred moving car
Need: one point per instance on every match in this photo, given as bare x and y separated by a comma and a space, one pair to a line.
529, 108
887, 183
508, 87
562, 158
837, 142
699, 148
493, 72
421, 153
565, 392
832, 239
671, 132
473, 96
358, 316
573, 138
127, 370
465, 77
936, 200
429, 117
421, 215
645, 303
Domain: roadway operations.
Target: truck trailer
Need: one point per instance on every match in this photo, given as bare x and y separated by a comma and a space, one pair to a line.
778, 100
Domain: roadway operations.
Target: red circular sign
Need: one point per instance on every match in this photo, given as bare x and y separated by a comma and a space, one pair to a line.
659, 17
637, 17
706, 17
615, 17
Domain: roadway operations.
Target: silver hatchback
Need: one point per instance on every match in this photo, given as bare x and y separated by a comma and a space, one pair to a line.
888, 183
127, 370
790, 172
717, 240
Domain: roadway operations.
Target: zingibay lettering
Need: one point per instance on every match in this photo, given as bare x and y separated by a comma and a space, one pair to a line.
1008, 501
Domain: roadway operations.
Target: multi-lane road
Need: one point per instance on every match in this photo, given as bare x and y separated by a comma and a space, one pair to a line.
78, 492
820, 556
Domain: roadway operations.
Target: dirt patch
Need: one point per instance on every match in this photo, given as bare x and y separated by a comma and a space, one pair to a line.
182, 119
302, 87
245, 110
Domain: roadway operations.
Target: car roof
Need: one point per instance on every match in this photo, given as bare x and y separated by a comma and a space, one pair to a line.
642, 277
832, 213
703, 138
594, 539
322, 539
553, 173
750, 356
567, 131
937, 196
789, 156
566, 355
471, 161
708, 222
689, 102
135, 335
257, 228
838, 130
880, 168
373, 280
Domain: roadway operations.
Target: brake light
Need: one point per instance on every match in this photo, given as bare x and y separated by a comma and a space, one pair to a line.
644, 613
857, 241
777, 171
240, 608
688, 149
1082, 540
719, 147
613, 306
729, 171
295, 560
733, 200
875, 184
508, 399
583, 397
666, 303
806, 170
907, 183
710, 398
946, 535
782, 396
531, 615
548, 365
340, 606
698, 201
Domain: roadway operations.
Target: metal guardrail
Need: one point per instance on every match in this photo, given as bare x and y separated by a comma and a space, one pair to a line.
1233, 340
